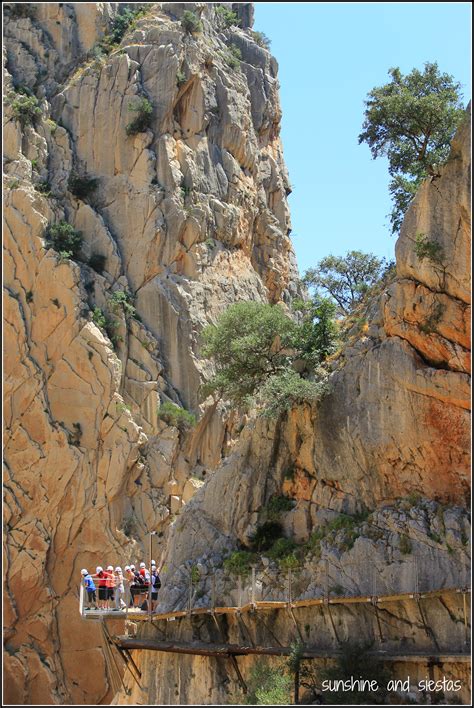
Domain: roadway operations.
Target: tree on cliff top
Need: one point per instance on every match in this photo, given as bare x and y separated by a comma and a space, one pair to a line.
411, 120
347, 278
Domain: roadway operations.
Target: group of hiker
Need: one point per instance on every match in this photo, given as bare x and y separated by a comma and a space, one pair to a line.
106, 589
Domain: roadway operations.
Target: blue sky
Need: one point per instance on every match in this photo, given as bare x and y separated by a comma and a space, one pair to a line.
330, 56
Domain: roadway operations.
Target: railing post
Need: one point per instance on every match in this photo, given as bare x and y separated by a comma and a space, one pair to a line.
126, 583
239, 591
213, 592
190, 597
81, 599
466, 629
326, 589
289, 586
253, 585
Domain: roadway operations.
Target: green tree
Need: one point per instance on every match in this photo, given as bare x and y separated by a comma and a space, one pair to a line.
191, 23
411, 120
64, 238
317, 335
249, 343
346, 279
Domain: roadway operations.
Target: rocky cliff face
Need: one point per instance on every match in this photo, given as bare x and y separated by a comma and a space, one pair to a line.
389, 445
187, 215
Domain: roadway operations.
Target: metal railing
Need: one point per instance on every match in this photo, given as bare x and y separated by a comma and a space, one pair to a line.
199, 587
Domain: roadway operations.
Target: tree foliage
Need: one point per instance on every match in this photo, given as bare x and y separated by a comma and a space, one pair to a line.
346, 279
317, 336
25, 107
143, 119
250, 343
255, 347
411, 120
64, 238
191, 23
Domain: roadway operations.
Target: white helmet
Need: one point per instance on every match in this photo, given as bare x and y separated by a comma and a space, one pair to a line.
98, 569
132, 567
118, 569
110, 567
153, 563
127, 567
84, 572
142, 565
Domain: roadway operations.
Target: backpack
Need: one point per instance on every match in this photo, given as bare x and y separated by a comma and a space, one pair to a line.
156, 582
139, 579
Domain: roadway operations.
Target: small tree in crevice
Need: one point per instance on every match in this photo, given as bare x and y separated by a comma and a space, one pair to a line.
81, 185
64, 238
191, 23
143, 120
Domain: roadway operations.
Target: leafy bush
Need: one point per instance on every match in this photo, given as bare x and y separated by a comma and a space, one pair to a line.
142, 122
108, 325
433, 319
18, 10
175, 415
191, 23
180, 77
97, 262
82, 185
25, 108
336, 589
405, 545
130, 525
121, 300
317, 336
428, 248
239, 563
228, 16
44, 187
277, 506
287, 389
265, 535
261, 39
284, 552
233, 56
123, 22
64, 238
269, 686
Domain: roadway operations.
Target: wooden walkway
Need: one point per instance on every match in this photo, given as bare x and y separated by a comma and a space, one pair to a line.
211, 649
141, 615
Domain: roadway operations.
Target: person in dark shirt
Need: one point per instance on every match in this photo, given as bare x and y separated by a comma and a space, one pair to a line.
90, 587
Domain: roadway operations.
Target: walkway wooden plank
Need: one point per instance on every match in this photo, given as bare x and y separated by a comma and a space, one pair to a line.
210, 649
266, 605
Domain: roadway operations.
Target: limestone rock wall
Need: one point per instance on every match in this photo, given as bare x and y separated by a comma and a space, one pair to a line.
389, 443
188, 216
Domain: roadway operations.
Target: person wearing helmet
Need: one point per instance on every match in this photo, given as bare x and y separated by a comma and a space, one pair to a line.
90, 587
130, 580
119, 589
155, 585
101, 576
110, 585
145, 585
137, 586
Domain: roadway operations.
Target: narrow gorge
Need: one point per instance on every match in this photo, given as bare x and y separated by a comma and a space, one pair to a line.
108, 437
